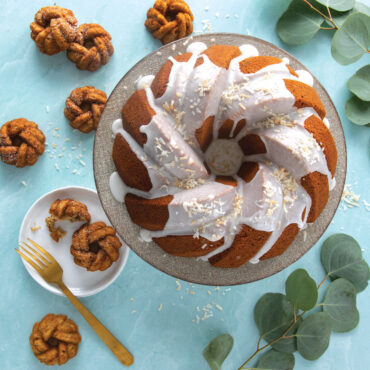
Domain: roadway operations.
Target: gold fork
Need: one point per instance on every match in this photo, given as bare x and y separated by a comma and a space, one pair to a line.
50, 270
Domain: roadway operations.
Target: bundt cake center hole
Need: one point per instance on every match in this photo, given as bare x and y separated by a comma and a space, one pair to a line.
89, 44
94, 247
170, 15
17, 140
85, 106
224, 157
52, 342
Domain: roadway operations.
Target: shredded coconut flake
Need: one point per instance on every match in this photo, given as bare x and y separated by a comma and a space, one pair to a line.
349, 198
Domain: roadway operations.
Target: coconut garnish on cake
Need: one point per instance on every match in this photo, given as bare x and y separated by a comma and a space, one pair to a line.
224, 155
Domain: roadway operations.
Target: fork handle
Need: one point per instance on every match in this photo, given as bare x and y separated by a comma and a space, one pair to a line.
123, 355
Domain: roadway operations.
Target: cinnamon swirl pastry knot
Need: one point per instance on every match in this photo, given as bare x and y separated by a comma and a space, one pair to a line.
54, 340
65, 209
84, 107
95, 246
53, 29
21, 142
169, 20
92, 47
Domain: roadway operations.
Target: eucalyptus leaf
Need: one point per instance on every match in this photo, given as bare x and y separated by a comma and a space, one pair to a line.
274, 360
298, 24
358, 111
217, 350
352, 40
273, 314
340, 17
313, 335
340, 305
359, 83
301, 290
340, 5
341, 257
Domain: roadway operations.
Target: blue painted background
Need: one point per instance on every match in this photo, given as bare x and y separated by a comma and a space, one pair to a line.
35, 86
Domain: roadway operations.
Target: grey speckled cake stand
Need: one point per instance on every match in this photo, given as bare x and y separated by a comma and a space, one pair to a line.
191, 269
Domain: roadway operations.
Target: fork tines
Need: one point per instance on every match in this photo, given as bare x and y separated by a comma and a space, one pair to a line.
37, 260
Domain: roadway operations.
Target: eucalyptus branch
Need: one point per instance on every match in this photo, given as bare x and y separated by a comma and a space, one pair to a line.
282, 336
313, 334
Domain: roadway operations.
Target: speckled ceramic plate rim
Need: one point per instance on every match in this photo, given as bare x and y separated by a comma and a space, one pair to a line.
191, 269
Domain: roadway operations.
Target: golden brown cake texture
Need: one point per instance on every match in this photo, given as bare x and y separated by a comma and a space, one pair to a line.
65, 209
154, 213
92, 47
54, 29
21, 142
95, 246
84, 107
55, 339
169, 20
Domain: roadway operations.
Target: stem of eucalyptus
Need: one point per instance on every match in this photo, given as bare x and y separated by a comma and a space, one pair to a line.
328, 18
282, 336
323, 281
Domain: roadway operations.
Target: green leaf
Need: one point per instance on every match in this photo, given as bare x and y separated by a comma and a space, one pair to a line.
351, 41
273, 314
359, 83
301, 290
340, 17
340, 5
313, 335
340, 305
217, 350
341, 257
298, 24
358, 111
274, 360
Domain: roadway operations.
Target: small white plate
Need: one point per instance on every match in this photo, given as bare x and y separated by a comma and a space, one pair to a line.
81, 282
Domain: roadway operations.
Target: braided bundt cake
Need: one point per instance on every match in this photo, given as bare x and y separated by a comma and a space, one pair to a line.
95, 246
223, 155
55, 339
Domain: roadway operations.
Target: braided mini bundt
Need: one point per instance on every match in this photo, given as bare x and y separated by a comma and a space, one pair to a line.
95, 246
84, 107
92, 47
54, 29
169, 20
54, 340
65, 209
21, 142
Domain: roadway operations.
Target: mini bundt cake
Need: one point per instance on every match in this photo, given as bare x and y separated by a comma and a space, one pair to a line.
54, 29
55, 339
223, 155
84, 107
65, 209
95, 246
21, 142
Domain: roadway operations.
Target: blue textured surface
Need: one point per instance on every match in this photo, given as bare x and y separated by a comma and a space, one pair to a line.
167, 339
